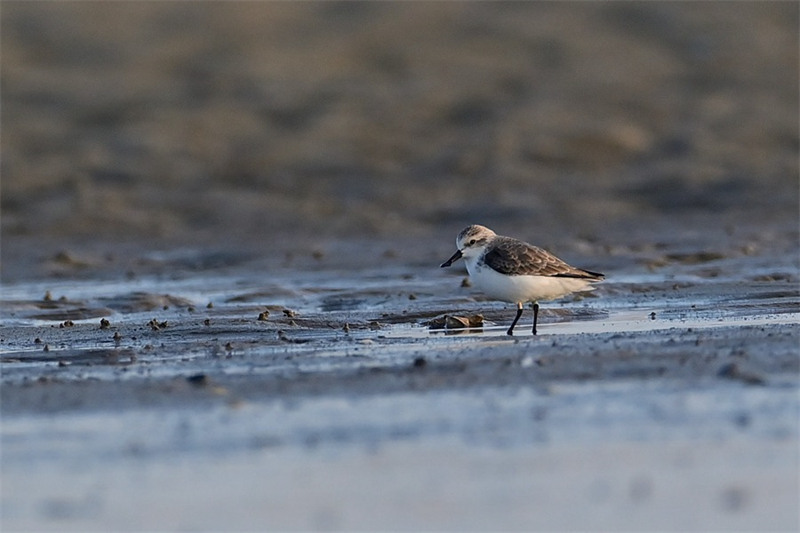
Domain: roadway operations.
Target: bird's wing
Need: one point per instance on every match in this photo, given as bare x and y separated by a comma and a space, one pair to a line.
517, 258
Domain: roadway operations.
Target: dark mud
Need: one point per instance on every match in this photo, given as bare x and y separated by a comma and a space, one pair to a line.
221, 231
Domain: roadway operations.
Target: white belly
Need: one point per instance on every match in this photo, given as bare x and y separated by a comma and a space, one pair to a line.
523, 288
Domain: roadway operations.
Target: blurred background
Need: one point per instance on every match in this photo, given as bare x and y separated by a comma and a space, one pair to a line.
149, 125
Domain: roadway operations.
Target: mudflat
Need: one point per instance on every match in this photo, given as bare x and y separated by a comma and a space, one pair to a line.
221, 231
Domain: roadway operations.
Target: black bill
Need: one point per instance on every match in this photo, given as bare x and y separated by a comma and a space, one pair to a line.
456, 257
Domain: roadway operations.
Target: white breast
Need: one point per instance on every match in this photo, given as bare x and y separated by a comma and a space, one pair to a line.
522, 288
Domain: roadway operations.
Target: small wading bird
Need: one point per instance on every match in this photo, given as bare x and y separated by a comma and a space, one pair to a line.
514, 271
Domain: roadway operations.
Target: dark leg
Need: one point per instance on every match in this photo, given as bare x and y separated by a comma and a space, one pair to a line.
516, 318
535, 316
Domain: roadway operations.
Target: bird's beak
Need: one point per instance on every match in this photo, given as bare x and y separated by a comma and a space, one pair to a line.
456, 257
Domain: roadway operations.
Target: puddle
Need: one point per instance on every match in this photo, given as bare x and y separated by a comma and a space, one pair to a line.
616, 323
329, 321
392, 303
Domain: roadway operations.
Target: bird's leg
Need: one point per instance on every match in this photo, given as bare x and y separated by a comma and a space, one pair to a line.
535, 316
516, 318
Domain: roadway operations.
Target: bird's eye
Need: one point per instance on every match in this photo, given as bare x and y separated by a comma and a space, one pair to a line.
471, 242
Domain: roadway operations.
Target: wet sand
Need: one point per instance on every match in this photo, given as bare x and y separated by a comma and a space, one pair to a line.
220, 250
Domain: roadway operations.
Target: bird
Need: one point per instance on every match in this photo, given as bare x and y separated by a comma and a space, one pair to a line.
514, 271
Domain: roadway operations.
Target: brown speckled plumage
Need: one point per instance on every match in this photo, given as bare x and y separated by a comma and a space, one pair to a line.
516, 258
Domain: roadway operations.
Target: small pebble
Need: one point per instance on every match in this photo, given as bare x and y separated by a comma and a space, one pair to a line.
420, 362
156, 325
198, 380
735, 372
